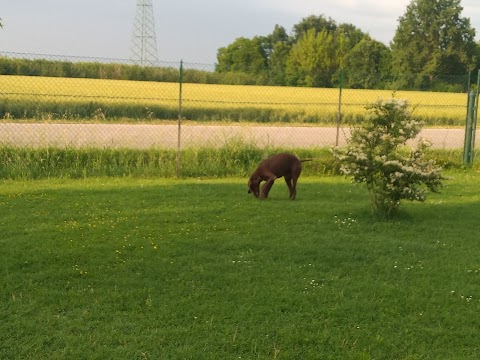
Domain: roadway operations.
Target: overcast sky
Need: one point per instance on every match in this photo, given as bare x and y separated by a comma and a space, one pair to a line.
192, 30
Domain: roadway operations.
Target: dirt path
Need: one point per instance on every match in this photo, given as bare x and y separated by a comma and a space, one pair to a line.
166, 136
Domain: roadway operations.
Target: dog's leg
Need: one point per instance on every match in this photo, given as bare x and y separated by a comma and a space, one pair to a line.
288, 180
295, 175
267, 186
293, 195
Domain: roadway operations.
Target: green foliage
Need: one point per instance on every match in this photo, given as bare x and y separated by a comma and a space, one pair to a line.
91, 70
169, 72
243, 55
374, 157
85, 110
110, 112
277, 63
432, 38
312, 62
235, 158
313, 22
279, 48
81, 163
367, 65
312, 56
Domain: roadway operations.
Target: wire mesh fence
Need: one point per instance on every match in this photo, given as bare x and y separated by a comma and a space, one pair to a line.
74, 102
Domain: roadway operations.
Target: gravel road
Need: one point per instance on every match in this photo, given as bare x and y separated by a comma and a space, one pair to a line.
166, 136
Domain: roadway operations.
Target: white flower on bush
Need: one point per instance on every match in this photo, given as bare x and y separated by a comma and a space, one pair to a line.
376, 155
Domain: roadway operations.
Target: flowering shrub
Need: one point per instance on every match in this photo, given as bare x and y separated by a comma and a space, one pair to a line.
376, 154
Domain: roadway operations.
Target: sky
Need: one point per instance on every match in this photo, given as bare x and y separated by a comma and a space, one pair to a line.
188, 30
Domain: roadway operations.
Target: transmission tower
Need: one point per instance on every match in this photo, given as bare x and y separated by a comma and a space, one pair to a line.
144, 40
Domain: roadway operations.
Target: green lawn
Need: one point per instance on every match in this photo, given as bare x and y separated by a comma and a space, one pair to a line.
198, 269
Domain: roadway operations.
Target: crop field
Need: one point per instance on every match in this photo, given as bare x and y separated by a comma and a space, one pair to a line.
198, 269
49, 98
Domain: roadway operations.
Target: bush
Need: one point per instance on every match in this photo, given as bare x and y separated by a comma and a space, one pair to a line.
376, 156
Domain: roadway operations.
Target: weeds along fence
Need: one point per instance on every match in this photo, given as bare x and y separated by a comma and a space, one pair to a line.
72, 102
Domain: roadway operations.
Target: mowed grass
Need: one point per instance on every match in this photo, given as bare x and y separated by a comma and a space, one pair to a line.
197, 269
67, 99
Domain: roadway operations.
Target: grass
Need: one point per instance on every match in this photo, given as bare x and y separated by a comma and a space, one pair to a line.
45, 98
235, 158
197, 269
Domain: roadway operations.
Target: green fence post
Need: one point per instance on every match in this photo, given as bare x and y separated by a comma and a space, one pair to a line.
469, 80
475, 117
468, 148
179, 120
339, 115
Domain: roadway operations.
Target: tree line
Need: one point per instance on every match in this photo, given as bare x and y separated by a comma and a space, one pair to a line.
432, 39
167, 72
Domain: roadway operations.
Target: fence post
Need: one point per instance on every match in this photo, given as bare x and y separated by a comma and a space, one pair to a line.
469, 146
339, 115
179, 120
475, 116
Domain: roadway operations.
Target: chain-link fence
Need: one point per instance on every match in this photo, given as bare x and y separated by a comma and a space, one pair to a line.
89, 102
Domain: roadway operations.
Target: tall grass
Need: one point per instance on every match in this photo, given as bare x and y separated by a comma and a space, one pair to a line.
24, 97
236, 158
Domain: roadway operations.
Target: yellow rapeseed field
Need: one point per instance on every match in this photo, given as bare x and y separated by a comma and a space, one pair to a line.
312, 102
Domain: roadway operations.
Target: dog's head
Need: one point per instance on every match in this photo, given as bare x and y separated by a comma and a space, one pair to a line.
254, 186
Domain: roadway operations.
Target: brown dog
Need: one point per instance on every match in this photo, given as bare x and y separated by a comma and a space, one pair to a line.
276, 166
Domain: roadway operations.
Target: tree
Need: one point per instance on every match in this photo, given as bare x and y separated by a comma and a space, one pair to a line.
312, 62
318, 23
351, 32
477, 55
279, 35
279, 45
243, 55
315, 59
432, 38
263, 56
319, 50
367, 64
312, 56
277, 63
374, 156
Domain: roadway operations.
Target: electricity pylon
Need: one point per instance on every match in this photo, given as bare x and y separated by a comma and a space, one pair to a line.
144, 40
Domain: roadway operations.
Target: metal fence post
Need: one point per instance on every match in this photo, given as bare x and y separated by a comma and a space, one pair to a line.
339, 115
475, 116
179, 120
469, 145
